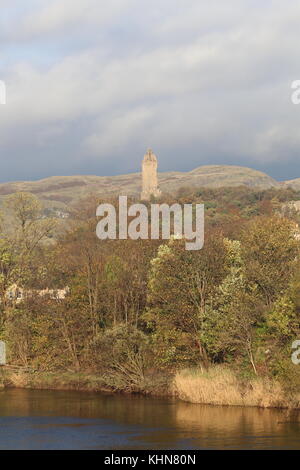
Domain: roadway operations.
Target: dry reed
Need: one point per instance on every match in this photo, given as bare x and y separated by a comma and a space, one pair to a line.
221, 386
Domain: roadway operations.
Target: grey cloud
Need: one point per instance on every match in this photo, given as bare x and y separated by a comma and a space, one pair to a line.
207, 81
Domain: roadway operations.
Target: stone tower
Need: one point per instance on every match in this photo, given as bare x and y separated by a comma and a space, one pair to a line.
149, 173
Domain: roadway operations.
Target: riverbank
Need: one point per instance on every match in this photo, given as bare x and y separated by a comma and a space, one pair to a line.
222, 386
218, 386
154, 385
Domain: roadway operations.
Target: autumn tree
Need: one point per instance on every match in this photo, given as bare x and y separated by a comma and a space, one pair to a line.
181, 284
269, 251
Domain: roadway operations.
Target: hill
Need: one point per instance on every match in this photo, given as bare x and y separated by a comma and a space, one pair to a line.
216, 176
59, 192
294, 184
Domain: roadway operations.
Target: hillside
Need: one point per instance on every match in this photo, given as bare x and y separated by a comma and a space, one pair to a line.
216, 176
61, 191
294, 184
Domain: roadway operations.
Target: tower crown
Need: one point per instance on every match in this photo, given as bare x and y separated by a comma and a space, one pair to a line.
150, 157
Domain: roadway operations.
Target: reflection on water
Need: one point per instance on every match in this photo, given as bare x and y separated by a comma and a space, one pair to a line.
31, 419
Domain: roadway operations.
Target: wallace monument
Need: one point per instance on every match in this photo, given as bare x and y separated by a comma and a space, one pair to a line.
149, 177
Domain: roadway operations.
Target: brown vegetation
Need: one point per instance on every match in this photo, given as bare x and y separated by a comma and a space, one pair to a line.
139, 311
221, 386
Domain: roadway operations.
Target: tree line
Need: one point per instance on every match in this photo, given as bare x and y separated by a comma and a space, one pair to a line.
139, 308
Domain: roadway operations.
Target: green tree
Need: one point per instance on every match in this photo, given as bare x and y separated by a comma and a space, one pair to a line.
181, 284
234, 311
269, 251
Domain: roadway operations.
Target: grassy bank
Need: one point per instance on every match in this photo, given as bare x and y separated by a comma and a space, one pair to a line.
53, 381
158, 385
221, 386
218, 386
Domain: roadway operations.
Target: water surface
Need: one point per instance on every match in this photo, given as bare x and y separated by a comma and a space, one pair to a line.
32, 419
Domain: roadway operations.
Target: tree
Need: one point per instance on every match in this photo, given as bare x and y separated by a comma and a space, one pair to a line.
27, 226
234, 311
269, 251
181, 284
284, 318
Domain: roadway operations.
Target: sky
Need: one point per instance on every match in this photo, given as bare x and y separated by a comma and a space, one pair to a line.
91, 84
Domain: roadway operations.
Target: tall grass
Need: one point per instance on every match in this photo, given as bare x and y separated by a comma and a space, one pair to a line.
221, 386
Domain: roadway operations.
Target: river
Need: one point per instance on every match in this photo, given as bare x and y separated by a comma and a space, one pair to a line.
32, 419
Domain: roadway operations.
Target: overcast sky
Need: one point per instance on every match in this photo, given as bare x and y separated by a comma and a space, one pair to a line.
92, 83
